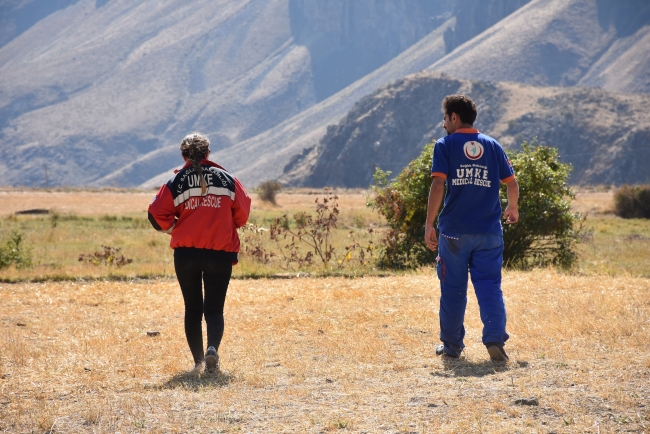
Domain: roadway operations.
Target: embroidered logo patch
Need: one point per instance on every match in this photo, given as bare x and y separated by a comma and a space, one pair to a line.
473, 150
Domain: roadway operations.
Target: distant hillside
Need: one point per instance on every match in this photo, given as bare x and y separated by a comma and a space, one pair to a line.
17, 16
562, 43
101, 91
90, 86
264, 156
473, 17
605, 136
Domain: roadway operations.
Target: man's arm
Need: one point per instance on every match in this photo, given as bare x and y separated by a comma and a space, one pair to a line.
435, 199
511, 215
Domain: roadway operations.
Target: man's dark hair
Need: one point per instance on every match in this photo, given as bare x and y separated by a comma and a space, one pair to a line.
462, 105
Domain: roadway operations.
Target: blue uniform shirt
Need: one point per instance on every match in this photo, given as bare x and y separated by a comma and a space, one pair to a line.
473, 166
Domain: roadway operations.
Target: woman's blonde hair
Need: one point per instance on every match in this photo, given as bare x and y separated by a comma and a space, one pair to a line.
195, 147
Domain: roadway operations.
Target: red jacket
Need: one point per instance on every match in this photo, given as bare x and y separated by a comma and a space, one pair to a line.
204, 222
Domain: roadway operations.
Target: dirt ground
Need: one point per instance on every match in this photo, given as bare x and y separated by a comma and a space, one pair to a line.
325, 355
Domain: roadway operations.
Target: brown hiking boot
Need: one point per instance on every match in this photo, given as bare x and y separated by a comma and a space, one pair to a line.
496, 351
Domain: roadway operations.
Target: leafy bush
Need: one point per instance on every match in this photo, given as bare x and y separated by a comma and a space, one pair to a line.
546, 233
632, 202
13, 251
403, 202
268, 189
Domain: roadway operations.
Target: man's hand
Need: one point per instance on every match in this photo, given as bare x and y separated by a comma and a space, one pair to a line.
435, 199
430, 238
511, 215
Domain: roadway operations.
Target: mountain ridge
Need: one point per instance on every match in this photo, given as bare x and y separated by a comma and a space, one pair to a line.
604, 135
99, 92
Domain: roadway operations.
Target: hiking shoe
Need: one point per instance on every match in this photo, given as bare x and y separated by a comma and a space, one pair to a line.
496, 351
211, 360
440, 351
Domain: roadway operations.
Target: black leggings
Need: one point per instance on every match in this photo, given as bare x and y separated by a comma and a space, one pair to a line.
192, 266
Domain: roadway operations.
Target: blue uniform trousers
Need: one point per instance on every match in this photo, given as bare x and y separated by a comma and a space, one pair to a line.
482, 255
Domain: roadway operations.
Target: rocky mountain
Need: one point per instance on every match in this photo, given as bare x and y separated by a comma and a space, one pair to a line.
473, 17
604, 135
17, 16
264, 156
562, 43
101, 91
350, 39
96, 84
618, 66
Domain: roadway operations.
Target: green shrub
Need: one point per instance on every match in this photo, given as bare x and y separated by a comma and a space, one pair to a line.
403, 202
632, 202
546, 233
268, 189
13, 251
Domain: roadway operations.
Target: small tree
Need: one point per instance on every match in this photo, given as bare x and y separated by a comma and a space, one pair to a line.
546, 233
267, 191
632, 202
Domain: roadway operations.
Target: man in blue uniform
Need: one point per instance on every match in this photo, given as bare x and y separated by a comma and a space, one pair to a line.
472, 166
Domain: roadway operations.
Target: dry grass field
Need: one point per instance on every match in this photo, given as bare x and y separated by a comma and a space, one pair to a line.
311, 355
325, 355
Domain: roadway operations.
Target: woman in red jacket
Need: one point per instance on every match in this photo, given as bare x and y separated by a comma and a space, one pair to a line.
202, 206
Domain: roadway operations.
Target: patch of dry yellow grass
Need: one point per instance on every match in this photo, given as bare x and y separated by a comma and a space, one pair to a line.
323, 355
592, 202
83, 203
121, 202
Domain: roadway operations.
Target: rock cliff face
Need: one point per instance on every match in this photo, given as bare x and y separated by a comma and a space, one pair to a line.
349, 39
101, 91
560, 43
475, 16
603, 135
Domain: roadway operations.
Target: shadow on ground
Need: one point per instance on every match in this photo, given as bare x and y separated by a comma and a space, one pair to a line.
195, 382
466, 368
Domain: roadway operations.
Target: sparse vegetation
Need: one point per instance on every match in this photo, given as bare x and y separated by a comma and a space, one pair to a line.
267, 191
316, 233
632, 202
610, 245
14, 252
109, 256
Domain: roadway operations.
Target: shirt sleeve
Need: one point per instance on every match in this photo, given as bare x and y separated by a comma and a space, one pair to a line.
440, 163
241, 207
162, 213
506, 172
